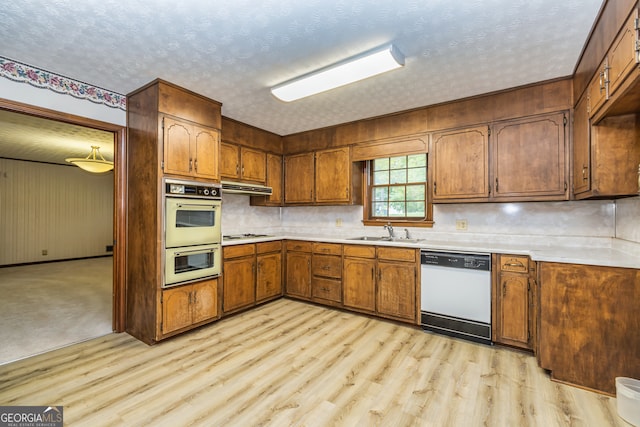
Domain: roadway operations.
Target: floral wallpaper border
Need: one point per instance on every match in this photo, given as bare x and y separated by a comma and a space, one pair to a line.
24, 73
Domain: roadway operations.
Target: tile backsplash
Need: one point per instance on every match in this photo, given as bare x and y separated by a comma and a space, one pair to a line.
592, 220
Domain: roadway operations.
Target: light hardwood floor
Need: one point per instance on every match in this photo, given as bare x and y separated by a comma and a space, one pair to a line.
291, 363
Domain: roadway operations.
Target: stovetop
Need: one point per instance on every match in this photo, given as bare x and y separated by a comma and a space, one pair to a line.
244, 236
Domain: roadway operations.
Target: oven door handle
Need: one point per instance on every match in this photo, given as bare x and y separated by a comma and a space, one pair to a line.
197, 205
197, 251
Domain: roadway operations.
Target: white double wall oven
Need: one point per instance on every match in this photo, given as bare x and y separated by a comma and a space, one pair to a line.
192, 231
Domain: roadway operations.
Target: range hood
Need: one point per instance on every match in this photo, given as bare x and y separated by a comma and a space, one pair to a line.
244, 188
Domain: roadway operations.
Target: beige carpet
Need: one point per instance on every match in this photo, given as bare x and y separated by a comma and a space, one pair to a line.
52, 305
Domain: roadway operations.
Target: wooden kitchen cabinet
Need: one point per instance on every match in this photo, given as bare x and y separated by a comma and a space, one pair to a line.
190, 150
522, 159
513, 301
589, 323
323, 177
238, 277
269, 270
605, 156
358, 278
275, 180
461, 164
298, 269
189, 305
240, 163
326, 269
397, 283
299, 178
529, 158
171, 132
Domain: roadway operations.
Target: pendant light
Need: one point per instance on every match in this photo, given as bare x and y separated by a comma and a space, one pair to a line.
94, 162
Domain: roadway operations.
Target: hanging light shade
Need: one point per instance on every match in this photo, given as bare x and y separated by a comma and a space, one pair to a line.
94, 162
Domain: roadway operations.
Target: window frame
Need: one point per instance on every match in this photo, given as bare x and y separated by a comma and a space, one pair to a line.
368, 187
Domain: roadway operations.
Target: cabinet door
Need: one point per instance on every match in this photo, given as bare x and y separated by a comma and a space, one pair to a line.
513, 309
204, 300
461, 164
529, 159
622, 56
253, 165
176, 308
358, 283
581, 148
299, 274
206, 152
269, 277
177, 138
333, 180
299, 178
396, 294
239, 278
229, 161
274, 178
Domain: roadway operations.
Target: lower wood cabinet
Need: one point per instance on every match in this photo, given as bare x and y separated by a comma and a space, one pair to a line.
188, 305
252, 273
269, 270
298, 275
589, 324
513, 301
358, 278
397, 281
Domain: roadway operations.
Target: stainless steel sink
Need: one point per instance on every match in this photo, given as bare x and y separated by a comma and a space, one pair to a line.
385, 239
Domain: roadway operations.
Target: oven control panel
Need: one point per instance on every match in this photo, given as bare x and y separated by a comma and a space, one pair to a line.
193, 189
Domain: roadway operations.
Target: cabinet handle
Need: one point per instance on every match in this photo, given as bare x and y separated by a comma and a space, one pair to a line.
496, 185
242, 169
190, 165
380, 274
195, 162
601, 82
189, 297
584, 173
237, 168
372, 274
195, 297
326, 267
514, 264
504, 289
346, 192
435, 189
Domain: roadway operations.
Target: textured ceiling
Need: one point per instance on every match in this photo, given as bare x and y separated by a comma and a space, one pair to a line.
233, 51
31, 138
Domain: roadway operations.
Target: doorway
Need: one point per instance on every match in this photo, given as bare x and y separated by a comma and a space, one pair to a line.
112, 261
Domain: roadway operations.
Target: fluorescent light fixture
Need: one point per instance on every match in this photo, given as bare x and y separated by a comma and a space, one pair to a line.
359, 67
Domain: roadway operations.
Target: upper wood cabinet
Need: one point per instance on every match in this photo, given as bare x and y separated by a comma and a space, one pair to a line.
299, 178
323, 177
242, 163
275, 180
190, 150
514, 160
605, 156
460, 165
615, 87
529, 160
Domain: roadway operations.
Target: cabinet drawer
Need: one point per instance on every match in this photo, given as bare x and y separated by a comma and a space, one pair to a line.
327, 289
298, 245
265, 247
397, 254
327, 266
360, 251
327, 248
238, 251
514, 263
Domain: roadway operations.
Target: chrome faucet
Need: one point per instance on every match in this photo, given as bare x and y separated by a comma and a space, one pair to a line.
389, 228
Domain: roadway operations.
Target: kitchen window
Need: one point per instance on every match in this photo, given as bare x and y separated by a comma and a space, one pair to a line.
397, 191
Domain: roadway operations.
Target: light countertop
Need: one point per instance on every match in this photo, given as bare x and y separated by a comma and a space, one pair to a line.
557, 253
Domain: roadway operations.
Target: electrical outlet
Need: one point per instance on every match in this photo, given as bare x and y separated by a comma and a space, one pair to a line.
45, 252
338, 222
461, 224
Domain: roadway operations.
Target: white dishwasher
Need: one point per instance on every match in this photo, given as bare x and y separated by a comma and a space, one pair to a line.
456, 294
